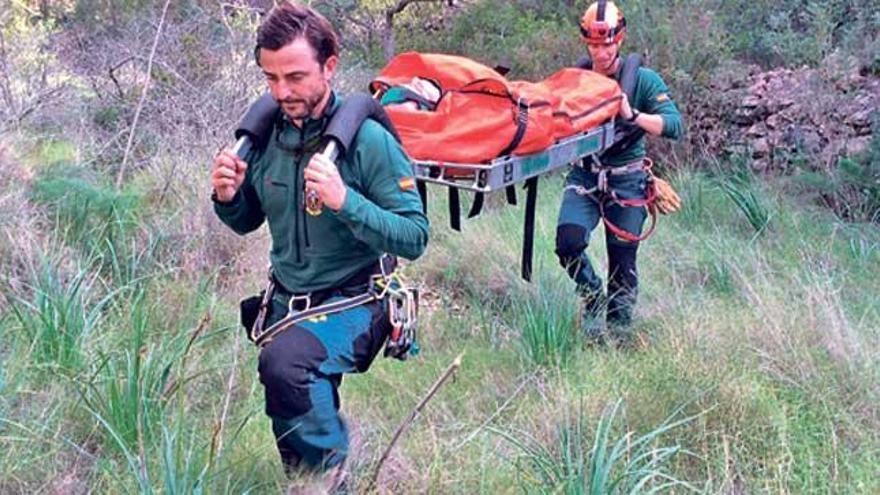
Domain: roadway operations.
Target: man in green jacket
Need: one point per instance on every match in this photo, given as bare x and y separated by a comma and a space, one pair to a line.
370, 207
621, 175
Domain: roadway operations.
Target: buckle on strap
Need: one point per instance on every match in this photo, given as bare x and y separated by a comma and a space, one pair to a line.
305, 298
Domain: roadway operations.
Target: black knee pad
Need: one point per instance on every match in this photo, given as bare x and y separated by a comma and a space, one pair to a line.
286, 368
571, 240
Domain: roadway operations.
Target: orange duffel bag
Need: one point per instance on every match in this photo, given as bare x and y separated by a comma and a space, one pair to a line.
479, 115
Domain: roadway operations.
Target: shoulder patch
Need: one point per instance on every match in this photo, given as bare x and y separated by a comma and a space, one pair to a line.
407, 183
662, 97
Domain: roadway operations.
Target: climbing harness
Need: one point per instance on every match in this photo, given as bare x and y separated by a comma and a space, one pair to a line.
603, 195
386, 285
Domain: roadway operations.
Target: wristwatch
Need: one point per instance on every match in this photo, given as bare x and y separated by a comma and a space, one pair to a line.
635, 115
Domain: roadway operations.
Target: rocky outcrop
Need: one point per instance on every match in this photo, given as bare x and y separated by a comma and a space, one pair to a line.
786, 116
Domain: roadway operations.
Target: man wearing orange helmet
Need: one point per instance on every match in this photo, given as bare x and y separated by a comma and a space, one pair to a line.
600, 188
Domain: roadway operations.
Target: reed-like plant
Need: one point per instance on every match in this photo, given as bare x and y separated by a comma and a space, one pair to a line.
629, 464
747, 198
61, 313
547, 320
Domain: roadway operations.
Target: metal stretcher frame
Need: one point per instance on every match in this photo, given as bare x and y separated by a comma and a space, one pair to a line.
511, 169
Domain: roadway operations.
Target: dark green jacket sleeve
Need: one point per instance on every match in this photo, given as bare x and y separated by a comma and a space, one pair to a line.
655, 99
243, 214
387, 213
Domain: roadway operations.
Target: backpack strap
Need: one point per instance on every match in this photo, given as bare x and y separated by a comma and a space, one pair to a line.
627, 133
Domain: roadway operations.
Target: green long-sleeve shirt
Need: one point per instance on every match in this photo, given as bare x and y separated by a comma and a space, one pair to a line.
382, 212
650, 96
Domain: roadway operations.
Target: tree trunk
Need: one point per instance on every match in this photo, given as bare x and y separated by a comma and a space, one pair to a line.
388, 42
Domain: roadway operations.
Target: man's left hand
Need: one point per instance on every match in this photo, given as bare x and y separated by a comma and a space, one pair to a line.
625, 111
323, 177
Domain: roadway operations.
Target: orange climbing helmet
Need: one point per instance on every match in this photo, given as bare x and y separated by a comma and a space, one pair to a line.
603, 23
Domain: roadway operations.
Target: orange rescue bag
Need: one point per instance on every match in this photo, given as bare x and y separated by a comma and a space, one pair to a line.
481, 115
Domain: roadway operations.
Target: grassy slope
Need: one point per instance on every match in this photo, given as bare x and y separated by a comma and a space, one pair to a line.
770, 341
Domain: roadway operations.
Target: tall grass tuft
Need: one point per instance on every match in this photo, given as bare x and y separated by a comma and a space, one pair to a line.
63, 311
748, 200
127, 388
628, 464
183, 466
547, 320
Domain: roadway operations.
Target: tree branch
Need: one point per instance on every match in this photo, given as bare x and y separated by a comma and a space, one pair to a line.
4, 72
413, 415
137, 113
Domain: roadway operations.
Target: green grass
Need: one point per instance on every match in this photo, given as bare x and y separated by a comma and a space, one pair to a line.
767, 344
629, 464
62, 312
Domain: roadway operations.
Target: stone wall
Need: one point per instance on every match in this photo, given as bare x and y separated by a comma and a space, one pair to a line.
812, 116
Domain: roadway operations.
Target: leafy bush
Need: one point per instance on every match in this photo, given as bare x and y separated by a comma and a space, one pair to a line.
532, 45
93, 213
852, 188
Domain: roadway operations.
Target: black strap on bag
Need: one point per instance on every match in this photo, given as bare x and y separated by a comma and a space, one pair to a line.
454, 209
522, 123
531, 188
423, 194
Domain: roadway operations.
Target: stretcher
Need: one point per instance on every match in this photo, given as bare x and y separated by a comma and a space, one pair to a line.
569, 116
480, 177
508, 170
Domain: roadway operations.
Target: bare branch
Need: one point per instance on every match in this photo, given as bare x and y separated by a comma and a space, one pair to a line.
4, 73
41, 98
413, 415
111, 71
137, 113
389, 47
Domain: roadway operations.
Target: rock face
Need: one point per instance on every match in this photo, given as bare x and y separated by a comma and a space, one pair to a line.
786, 116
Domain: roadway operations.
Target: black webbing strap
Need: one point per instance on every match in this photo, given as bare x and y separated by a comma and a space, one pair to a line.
477, 205
454, 209
531, 188
510, 191
522, 121
263, 339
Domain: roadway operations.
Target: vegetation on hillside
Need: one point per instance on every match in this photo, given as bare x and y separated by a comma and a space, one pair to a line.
123, 368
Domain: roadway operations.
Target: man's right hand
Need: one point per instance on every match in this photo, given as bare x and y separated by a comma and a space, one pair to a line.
227, 176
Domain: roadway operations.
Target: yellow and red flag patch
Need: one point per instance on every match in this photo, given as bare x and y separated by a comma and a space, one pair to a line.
407, 183
662, 97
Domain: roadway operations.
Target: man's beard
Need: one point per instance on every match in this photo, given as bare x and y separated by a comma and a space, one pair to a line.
304, 107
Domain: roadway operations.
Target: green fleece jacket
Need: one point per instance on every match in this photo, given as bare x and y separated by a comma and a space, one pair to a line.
382, 212
650, 96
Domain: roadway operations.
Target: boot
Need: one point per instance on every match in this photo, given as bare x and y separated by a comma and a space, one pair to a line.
623, 290
593, 317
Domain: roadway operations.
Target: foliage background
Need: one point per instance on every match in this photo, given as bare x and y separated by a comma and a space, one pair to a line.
122, 368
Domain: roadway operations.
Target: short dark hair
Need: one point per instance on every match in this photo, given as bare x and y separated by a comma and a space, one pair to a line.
288, 21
